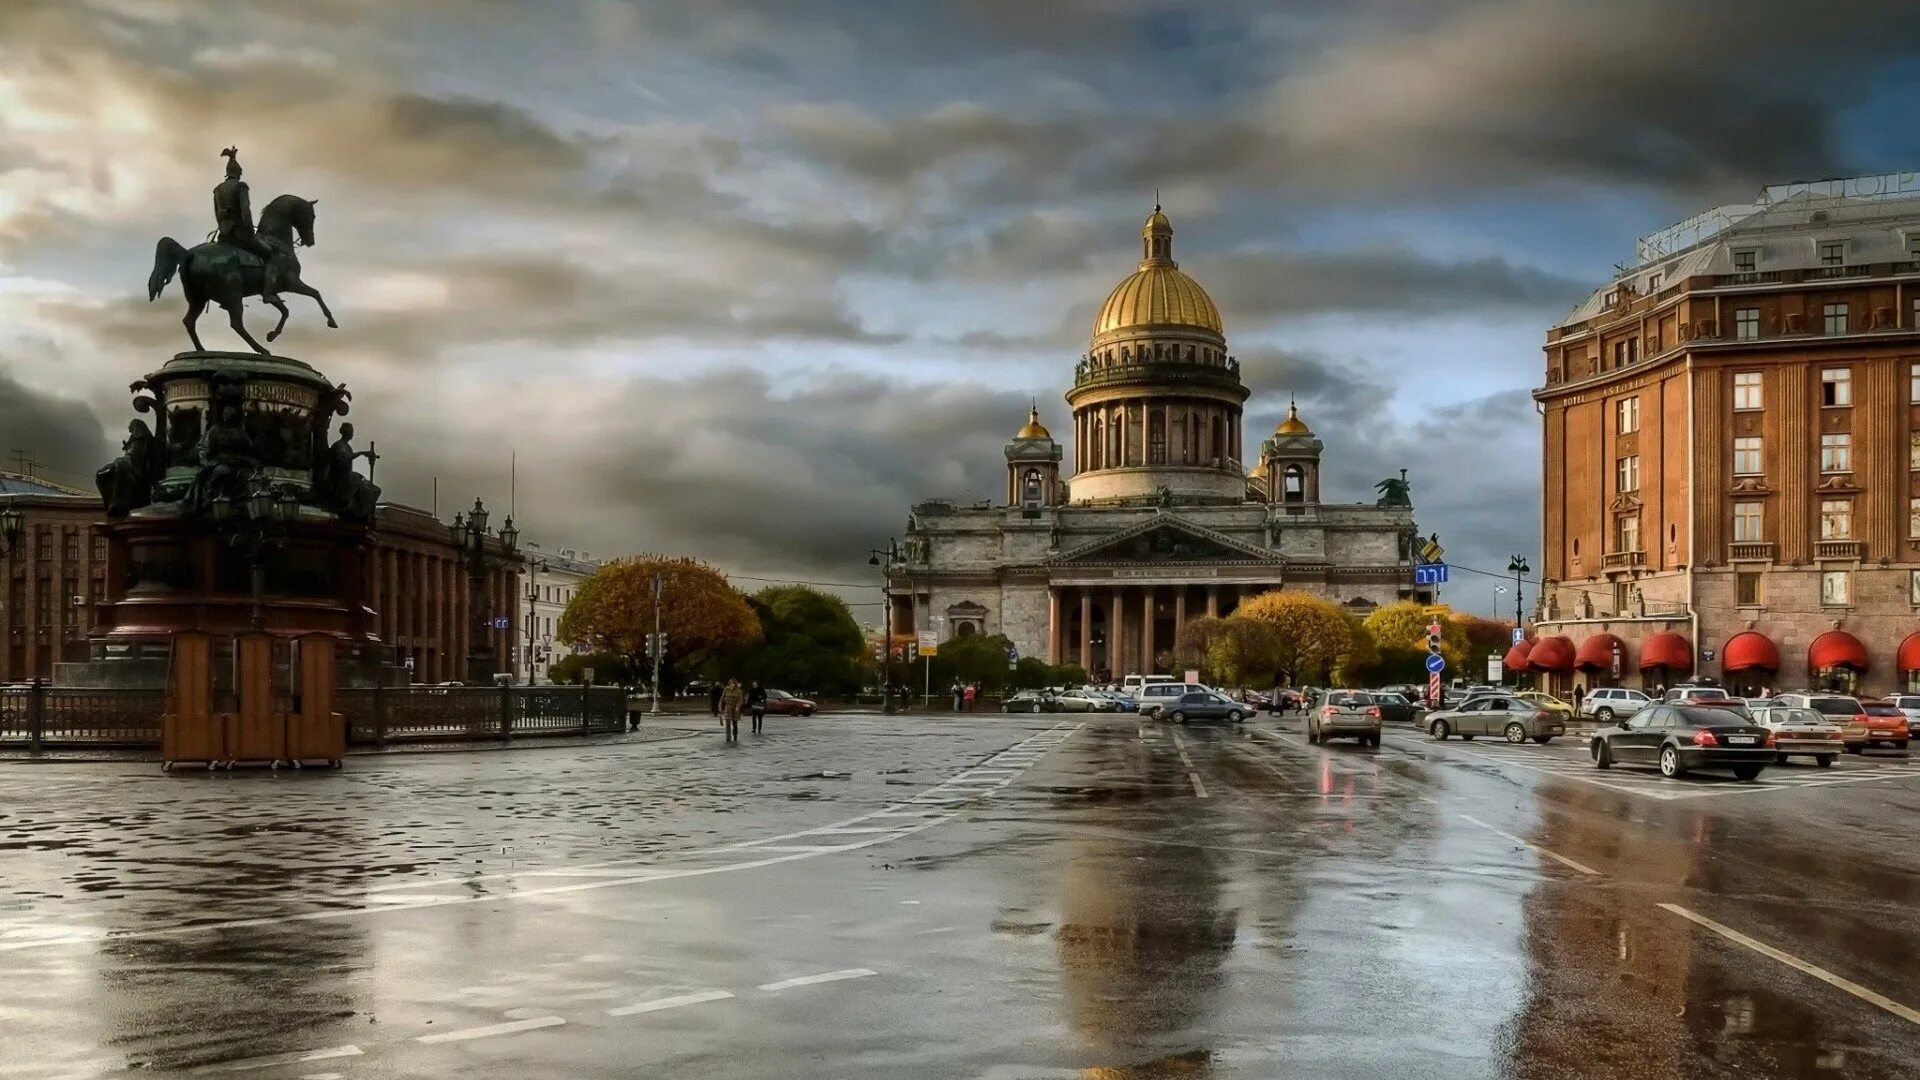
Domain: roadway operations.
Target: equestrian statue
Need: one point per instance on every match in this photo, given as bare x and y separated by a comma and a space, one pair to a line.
239, 258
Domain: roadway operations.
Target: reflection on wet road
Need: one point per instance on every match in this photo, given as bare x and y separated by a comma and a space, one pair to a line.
883, 897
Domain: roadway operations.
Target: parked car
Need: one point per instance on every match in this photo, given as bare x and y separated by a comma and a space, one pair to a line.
1083, 701
781, 703
1345, 714
1134, 684
1030, 701
1687, 692
1607, 703
1121, 702
1396, 708
1878, 723
1798, 731
1205, 705
1540, 699
1839, 708
1677, 738
1508, 715
1154, 696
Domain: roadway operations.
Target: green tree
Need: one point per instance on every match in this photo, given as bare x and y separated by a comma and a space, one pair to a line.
1242, 653
1400, 630
1069, 675
810, 643
702, 615
1192, 646
977, 658
1031, 673
1359, 664
1312, 632
609, 669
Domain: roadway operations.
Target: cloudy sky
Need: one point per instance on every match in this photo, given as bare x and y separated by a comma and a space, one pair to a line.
744, 280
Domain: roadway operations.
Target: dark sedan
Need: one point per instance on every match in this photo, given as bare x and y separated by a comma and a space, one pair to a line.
1396, 707
1031, 701
1205, 705
1677, 738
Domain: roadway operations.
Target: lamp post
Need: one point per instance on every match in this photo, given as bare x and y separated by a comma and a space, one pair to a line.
1517, 566
884, 559
533, 596
659, 641
471, 535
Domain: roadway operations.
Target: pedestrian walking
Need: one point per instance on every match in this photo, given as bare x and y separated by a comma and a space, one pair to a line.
756, 705
1578, 693
713, 698
968, 696
959, 696
731, 699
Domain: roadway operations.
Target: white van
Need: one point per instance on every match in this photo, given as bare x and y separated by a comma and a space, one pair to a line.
1154, 696
1133, 684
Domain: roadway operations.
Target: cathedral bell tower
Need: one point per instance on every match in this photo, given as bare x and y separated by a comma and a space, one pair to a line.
1290, 462
1033, 465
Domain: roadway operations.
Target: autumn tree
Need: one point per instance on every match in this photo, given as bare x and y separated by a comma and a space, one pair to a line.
809, 642
702, 615
1360, 661
1192, 644
1312, 632
1400, 632
1242, 652
1484, 635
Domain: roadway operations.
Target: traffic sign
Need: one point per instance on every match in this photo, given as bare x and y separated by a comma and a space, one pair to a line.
1013, 653
929, 642
1519, 635
1436, 663
501, 622
1430, 574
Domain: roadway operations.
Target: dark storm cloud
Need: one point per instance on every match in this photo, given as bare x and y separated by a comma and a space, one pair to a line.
1280, 283
61, 433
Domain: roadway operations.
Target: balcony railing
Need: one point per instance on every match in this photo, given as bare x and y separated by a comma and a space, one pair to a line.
1750, 549
1616, 560
1839, 549
1821, 273
1749, 277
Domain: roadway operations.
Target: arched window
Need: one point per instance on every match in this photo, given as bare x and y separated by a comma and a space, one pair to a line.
965, 629
1293, 484
1218, 442
1030, 487
1157, 437
1099, 444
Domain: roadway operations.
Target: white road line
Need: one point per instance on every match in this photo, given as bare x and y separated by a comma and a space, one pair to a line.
1794, 962
509, 1028
271, 1060
678, 1001
827, 977
1561, 859
1199, 788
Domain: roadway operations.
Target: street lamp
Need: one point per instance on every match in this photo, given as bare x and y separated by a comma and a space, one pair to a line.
1517, 566
884, 559
533, 596
470, 537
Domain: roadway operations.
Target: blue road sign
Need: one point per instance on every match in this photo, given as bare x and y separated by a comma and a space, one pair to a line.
1430, 574
501, 622
1436, 663
1519, 635
1013, 654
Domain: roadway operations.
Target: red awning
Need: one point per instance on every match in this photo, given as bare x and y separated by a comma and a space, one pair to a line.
1836, 649
1517, 656
1747, 651
1910, 653
1666, 649
1551, 653
1596, 653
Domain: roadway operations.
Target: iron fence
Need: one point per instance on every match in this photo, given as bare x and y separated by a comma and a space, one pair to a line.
39, 715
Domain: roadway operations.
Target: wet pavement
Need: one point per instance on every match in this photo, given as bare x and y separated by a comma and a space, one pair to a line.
988, 897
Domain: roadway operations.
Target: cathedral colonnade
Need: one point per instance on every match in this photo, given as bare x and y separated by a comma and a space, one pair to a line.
1118, 627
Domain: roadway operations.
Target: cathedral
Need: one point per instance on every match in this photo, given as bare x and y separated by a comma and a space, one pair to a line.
1159, 519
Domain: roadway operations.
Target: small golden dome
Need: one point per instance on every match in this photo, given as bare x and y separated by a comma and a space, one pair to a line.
1259, 470
1158, 293
1034, 429
1293, 425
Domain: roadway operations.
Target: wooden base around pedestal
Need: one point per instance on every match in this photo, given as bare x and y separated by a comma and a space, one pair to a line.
251, 699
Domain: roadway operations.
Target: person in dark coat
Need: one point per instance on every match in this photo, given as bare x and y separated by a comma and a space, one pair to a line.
757, 705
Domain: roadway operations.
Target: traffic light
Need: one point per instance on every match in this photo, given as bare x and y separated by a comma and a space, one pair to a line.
1433, 637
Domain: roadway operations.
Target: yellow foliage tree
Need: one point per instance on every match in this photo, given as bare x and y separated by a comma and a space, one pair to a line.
700, 613
1311, 632
1242, 653
1400, 631
1362, 656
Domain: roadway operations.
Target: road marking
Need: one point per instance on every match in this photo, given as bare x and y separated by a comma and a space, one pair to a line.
1199, 788
1562, 859
1794, 962
509, 1028
678, 1001
270, 1060
827, 977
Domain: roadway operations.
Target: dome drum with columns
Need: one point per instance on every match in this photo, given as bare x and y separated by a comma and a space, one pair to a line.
1157, 521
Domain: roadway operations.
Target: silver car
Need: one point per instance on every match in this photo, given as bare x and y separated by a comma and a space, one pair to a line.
1343, 714
1514, 718
1798, 730
1083, 701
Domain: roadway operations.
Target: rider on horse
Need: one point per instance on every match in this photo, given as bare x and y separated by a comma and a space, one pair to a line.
233, 219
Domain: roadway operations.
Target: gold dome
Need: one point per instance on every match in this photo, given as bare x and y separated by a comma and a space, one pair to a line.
1293, 425
1158, 293
1034, 429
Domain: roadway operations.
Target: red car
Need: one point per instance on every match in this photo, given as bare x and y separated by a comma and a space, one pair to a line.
781, 703
1878, 723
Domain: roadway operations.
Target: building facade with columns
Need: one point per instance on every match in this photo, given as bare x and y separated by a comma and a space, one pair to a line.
1732, 452
1156, 518
554, 575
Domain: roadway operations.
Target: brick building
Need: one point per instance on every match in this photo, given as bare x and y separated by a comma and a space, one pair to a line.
1732, 452
52, 566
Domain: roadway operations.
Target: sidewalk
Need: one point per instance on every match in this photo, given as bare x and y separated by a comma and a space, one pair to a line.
78, 755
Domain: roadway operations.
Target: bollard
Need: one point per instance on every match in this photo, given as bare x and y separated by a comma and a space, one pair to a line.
586, 709
506, 712
379, 714
36, 714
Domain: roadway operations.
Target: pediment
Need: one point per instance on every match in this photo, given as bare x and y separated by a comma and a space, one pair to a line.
1164, 539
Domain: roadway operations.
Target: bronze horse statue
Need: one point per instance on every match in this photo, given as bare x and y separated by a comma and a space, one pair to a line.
226, 275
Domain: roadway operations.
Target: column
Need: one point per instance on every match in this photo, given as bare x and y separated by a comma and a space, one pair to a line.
1117, 633
1053, 625
1086, 630
1179, 612
1213, 601
1146, 628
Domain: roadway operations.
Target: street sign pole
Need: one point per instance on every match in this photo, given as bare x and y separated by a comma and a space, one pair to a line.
658, 586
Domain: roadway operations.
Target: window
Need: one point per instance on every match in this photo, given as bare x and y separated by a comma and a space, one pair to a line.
1748, 525
1836, 316
1746, 456
1746, 390
1833, 252
1913, 450
1628, 410
1744, 262
1834, 587
1629, 477
1836, 453
1611, 298
1836, 386
1746, 588
1915, 321
1630, 533
1746, 324
1913, 383
1836, 519
1913, 587
1653, 282
1913, 518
